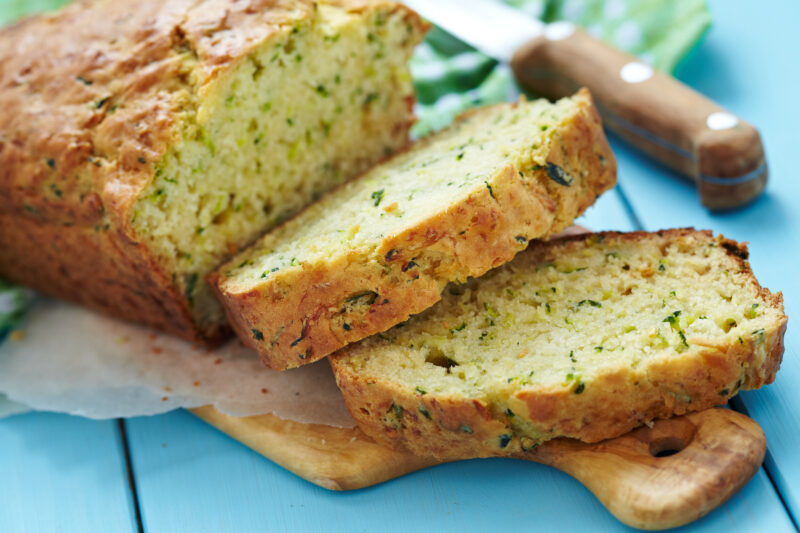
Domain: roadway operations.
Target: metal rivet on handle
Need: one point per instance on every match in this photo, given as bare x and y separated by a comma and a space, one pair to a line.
559, 30
721, 120
636, 72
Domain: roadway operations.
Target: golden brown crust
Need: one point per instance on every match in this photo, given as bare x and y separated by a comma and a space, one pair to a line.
95, 94
456, 427
301, 316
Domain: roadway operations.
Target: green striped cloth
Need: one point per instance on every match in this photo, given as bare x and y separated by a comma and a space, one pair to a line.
450, 76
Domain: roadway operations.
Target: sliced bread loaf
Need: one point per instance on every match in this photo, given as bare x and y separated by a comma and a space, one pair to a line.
383, 247
142, 142
584, 337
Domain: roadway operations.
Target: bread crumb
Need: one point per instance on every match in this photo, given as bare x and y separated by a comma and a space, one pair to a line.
17, 335
264, 391
156, 350
196, 383
218, 361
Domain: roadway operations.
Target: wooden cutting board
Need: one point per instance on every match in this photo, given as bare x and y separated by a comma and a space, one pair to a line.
652, 478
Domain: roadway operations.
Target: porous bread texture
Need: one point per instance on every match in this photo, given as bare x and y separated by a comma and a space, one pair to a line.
307, 111
383, 247
584, 337
149, 141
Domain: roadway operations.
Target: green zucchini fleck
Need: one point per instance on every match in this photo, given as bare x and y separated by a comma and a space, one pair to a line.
491, 192
673, 320
684, 345
504, 439
266, 273
463, 428
459, 327
257, 335
190, 282
558, 174
302, 334
377, 196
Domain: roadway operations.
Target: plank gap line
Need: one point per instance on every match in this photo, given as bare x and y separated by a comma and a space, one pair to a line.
123, 434
629, 211
737, 404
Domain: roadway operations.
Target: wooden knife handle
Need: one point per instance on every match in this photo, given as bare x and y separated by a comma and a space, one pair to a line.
666, 119
717, 452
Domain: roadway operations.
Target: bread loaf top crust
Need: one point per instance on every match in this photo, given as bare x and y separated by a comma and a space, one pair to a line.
93, 94
145, 142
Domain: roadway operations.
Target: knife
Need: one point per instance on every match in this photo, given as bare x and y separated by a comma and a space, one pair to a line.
661, 116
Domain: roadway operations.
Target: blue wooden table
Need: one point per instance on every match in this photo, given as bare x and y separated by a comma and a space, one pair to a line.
174, 473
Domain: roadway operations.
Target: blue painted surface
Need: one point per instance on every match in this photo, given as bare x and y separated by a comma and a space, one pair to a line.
191, 477
749, 64
61, 473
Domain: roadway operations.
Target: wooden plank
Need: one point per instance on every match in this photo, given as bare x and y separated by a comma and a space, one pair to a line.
63, 473
750, 77
639, 489
192, 477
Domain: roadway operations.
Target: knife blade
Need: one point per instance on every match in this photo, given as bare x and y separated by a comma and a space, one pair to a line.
664, 118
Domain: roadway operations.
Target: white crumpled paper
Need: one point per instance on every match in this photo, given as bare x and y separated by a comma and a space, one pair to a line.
67, 359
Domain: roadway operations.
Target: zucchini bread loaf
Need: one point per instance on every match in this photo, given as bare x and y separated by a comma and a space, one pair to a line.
143, 142
584, 337
383, 247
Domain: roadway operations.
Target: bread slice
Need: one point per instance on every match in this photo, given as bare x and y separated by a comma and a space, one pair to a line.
383, 247
584, 337
143, 142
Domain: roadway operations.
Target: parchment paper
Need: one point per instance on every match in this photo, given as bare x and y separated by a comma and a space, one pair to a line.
67, 359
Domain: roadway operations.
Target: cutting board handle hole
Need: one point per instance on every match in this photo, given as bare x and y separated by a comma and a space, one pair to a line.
666, 446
